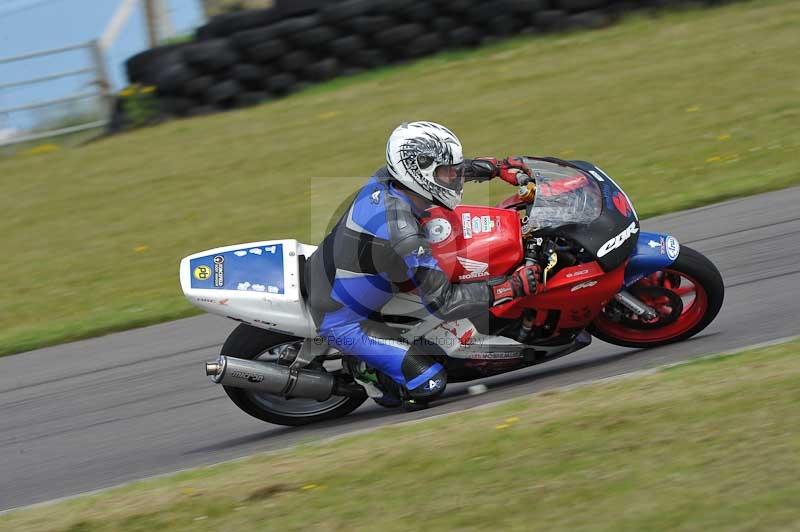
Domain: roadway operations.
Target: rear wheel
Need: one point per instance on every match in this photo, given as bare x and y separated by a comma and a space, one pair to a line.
253, 343
687, 296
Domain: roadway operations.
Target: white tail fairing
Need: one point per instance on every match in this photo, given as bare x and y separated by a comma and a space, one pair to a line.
257, 283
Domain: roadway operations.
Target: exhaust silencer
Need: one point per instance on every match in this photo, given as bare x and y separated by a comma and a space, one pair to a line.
271, 378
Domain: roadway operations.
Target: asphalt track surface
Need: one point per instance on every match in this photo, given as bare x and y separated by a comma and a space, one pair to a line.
101, 412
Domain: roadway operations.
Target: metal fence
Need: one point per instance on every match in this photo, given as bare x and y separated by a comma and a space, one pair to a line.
97, 87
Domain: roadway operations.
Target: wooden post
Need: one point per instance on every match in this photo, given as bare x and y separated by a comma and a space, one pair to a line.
117, 22
101, 78
165, 28
151, 20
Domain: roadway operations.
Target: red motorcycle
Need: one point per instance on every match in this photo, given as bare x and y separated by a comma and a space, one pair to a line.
602, 277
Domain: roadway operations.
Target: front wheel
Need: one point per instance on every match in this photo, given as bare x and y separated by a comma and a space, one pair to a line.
253, 343
687, 297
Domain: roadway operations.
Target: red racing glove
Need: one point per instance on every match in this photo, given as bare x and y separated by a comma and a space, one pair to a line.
514, 171
523, 282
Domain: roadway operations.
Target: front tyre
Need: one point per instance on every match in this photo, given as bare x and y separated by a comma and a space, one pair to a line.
687, 296
253, 343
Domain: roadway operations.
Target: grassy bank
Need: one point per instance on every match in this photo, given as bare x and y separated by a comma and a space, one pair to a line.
712, 445
684, 109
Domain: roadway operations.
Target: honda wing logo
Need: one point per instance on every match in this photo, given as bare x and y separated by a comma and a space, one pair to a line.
474, 267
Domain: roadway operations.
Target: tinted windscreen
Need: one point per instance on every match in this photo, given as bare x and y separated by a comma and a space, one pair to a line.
564, 195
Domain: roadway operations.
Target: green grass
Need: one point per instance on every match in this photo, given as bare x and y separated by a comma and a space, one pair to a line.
700, 447
684, 109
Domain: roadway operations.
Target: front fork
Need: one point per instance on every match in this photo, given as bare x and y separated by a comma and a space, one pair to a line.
633, 304
654, 252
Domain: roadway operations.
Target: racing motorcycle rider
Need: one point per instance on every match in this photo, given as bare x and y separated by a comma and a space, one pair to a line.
378, 248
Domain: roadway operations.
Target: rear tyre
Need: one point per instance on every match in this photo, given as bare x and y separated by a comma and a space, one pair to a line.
248, 99
550, 20
296, 60
322, 70
253, 343
345, 46
314, 37
210, 56
267, 51
172, 79
197, 86
282, 83
688, 296
223, 91
465, 36
368, 58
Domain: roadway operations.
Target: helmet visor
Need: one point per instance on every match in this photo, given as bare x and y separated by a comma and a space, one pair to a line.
450, 176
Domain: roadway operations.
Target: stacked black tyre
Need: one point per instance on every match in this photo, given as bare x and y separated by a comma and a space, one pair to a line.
244, 58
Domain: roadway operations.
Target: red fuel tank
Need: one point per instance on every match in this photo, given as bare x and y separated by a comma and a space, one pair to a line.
474, 243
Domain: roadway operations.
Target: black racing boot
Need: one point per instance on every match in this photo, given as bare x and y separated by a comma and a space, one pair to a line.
414, 405
414, 366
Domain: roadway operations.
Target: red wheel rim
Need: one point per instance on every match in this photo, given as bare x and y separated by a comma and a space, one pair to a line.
695, 305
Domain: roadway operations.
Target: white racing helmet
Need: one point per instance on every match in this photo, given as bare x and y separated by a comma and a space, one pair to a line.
427, 158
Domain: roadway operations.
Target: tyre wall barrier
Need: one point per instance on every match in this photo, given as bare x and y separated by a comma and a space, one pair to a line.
244, 58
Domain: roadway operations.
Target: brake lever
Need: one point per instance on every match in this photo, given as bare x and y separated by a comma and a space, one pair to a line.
552, 260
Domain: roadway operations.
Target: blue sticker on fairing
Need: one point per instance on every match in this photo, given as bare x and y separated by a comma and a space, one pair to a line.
654, 251
258, 269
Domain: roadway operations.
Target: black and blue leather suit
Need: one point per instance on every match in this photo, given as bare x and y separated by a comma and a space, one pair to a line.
377, 249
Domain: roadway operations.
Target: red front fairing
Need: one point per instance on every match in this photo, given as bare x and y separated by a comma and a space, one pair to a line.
474, 243
571, 299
